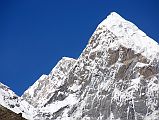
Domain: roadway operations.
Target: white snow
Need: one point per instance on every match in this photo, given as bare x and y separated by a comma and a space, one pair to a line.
130, 36
70, 100
139, 64
75, 87
135, 81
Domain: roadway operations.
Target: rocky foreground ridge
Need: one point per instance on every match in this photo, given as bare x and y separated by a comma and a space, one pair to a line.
115, 78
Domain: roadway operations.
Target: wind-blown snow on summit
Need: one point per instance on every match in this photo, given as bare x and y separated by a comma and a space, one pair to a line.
116, 77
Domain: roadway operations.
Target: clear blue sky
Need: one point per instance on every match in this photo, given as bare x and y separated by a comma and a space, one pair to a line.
36, 34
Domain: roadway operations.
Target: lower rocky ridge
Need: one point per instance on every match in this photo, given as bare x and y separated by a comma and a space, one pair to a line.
6, 114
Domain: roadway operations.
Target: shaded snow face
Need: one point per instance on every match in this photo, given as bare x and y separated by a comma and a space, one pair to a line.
115, 78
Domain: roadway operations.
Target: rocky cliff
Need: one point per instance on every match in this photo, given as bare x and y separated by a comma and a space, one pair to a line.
6, 114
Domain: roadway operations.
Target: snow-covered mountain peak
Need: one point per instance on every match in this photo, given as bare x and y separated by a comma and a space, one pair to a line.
113, 16
115, 21
115, 78
128, 35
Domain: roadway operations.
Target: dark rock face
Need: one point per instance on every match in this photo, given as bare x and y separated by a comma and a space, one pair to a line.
6, 114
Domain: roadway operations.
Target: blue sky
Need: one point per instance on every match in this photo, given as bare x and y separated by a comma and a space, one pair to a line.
36, 34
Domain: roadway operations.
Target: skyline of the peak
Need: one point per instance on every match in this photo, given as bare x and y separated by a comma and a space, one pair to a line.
35, 35
115, 14
112, 17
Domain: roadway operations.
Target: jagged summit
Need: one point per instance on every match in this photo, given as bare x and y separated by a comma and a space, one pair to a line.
115, 78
